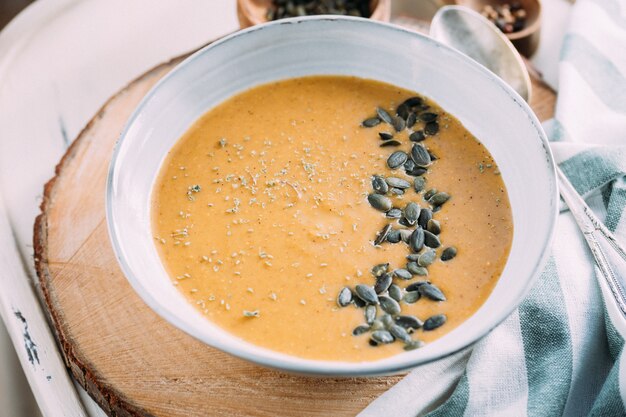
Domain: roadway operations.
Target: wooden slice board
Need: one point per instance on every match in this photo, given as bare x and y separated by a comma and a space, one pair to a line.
128, 359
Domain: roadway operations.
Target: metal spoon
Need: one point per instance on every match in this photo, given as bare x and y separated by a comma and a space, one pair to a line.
473, 35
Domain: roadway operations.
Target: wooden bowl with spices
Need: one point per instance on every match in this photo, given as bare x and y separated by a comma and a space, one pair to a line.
255, 12
519, 20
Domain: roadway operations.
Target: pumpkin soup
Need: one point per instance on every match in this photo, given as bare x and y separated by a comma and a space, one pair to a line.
332, 218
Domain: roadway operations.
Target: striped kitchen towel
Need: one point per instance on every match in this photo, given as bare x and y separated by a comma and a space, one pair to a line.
560, 353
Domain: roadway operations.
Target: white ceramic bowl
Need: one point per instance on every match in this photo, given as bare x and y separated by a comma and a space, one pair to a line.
491, 110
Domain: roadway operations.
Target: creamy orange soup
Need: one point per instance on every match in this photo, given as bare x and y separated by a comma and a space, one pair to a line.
261, 216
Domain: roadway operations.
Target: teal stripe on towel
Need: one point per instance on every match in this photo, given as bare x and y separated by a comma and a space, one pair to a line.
594, 168
609, 402
547, 345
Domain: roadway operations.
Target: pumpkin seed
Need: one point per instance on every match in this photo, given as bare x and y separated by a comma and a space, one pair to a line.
415, 269
411, 119
428, 117
448, 253
403, 111
413, 344
366, 294
411, 213
378, 270
418, 184
345, 297
382, 283
405, 234
409, 165
387, 320
409, 322
431, 128
370, 314
425, 215
359, 330
416, 242
411, 297
377, 325
394, 236
427, 257
412, 257
431, 240
413, 102
433, 157
357, 301
434, 322
384, 116
420, 155
389, 305
379, 202
379, 185
385, 135
382, 235
417, 136
433, 226
397, 182
391, 142
439, 199
371, 122
397, 191
416, 285
402, 274
404, 222
394, 213
395, 292
417, 171
399, 124
382, 336
399, 333
432, 292
430, 193
397, 159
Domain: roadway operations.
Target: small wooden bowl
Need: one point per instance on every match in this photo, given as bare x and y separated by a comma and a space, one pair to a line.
526, 40
254, 12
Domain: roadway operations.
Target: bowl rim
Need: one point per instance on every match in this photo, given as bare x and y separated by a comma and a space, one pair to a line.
313, 366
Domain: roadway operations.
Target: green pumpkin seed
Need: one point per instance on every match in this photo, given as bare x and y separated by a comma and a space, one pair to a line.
416, 285
385, 135
434, 322
418, 184
384, 116
412, 257
405, 235
403, 111
382, 336
389, 305
439, 199
366, 294
416, 242
394, 213
428, 117
391, 142
420, 155
382, 283
425, 215
433, 226
382, 235
402, 274
394, 236
399, 124
395, 292
432, 292
345, 297
359, 330
371, 122
417, 136
399, 333
397, 159
379, 202
409, 322
387, 320
448, 253
378, 270
379, 185
411, 213
417, 171
411, 297
431, 240
357, 301
430, 193
370, 314
397, 182
413, 102
431, 128
413, 344
427, 257
415, 269
377, 325
411, 120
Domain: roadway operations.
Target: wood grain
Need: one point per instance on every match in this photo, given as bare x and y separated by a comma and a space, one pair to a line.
128, 359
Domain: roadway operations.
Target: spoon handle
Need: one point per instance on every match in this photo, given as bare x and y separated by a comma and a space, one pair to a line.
608, 253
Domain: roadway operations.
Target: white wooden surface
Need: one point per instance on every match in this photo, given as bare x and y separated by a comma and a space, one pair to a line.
59, 61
